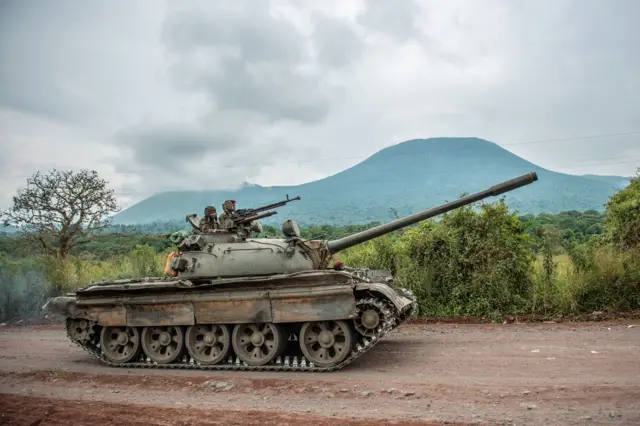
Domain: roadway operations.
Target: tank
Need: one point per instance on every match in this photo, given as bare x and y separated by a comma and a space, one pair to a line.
233, 302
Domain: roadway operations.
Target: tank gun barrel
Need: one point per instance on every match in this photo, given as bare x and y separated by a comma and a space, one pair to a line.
360, 237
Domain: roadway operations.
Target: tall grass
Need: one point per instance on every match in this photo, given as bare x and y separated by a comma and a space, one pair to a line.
25, 284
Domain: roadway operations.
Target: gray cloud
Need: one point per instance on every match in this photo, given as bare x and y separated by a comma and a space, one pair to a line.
243, 58
244, 24
210, 94
337, 43
64, 60
269, 89
166, 145
395, 19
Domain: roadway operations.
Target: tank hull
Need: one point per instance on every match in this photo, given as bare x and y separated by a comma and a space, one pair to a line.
336, 304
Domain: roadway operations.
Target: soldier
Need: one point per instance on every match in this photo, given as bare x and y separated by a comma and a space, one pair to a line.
224, 220
209, 222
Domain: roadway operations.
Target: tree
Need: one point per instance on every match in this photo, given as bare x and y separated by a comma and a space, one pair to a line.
623, 215
59, 209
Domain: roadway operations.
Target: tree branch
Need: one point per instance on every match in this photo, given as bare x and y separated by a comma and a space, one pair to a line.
61, 206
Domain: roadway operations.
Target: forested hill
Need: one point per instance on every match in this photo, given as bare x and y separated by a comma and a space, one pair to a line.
407, 177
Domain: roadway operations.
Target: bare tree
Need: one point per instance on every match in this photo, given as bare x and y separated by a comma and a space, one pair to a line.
57, 210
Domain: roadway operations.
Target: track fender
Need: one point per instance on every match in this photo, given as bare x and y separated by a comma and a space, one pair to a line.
400, 302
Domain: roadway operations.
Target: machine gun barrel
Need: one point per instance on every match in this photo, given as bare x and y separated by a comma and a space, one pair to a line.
247, 219
245, 212
352, 240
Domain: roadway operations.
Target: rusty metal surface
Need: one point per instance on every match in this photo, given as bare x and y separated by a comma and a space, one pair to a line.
313, 303
285, 304
315, 296
160, 314
311, 290
110, 316
233, 311
313, 308
124, 287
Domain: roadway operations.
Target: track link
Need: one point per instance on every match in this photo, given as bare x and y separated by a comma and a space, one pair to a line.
281, 363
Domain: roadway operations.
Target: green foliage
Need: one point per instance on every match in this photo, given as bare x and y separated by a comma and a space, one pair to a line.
609, 282
470, 263
623, 215
491, 263
571, 226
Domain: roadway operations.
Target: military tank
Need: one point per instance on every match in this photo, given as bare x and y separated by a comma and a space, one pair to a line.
233, 302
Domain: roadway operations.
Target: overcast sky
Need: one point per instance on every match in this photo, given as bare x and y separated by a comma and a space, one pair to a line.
207, 94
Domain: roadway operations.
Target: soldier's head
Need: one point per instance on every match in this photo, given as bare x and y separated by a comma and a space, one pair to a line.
210, 211
229, 206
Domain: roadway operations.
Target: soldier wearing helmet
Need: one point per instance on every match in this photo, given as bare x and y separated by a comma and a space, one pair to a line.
224, 220
209, 222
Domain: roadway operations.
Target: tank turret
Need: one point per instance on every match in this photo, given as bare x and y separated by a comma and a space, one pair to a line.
234, 302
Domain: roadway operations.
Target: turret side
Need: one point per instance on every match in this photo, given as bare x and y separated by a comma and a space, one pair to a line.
361, 237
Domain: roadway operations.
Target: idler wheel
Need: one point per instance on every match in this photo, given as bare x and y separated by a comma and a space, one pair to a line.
163, 344
120, 344
372, 315
258, 344
79, 329
208, 343
326, 343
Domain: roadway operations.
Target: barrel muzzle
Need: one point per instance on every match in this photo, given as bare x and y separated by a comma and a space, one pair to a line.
514, 183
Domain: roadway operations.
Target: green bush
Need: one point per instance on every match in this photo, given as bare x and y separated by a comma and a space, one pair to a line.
470, 263
623, 216
483, 262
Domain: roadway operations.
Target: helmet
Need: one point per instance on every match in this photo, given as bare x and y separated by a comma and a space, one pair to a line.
210, 210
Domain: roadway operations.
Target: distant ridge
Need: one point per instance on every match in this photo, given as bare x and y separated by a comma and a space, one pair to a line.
407, 177
619, 182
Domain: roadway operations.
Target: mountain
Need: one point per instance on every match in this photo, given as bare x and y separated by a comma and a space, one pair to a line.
408, 177
617, 181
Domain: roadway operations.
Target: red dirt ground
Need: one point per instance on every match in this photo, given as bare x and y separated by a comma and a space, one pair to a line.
560, 374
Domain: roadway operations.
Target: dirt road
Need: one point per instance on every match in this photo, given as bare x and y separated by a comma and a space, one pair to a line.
586, 373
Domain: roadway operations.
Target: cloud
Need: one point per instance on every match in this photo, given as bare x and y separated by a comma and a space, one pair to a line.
244, 59
169, 144
395, 19
337, 43
197, 94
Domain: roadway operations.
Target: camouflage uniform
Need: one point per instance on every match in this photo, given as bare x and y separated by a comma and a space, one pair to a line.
224, 220
209, 222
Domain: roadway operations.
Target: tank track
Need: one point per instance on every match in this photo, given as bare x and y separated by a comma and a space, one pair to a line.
282, 363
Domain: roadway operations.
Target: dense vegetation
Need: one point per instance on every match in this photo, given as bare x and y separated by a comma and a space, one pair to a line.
406, 177
482, 260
